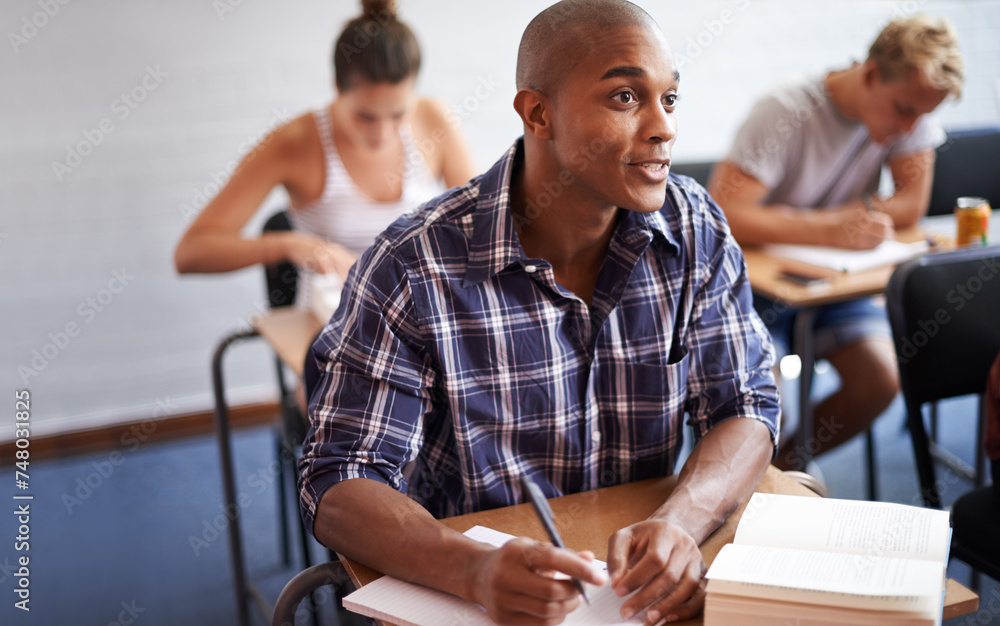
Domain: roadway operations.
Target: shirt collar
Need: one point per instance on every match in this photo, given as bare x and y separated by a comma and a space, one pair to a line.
495, 244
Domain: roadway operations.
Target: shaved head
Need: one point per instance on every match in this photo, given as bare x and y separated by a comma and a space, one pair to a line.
561, 35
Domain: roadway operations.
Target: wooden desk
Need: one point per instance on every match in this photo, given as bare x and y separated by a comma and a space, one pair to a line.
765, 279
764, 272
290, 332
586, 520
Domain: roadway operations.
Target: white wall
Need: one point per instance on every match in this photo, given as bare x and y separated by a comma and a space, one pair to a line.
212, 80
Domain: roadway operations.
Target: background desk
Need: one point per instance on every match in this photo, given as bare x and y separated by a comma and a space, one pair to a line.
764, 271
586, 520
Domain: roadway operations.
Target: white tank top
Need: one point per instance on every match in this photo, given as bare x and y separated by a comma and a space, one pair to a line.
345, 214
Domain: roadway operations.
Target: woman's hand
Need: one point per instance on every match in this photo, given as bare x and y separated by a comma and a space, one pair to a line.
315, 254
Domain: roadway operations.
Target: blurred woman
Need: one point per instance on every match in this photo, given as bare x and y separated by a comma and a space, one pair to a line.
350, 169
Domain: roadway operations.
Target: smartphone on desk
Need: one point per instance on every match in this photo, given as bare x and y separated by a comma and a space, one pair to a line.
804, 280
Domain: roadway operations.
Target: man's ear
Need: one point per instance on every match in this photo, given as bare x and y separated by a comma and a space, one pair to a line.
535, 110
870, 73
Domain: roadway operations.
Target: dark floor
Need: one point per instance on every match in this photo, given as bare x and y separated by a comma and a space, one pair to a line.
132, 538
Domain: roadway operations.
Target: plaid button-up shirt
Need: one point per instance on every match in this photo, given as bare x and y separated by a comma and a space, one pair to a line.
455, 351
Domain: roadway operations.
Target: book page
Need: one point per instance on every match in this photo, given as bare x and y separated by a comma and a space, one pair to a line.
827, 578
843, 260
864, 529
407, 604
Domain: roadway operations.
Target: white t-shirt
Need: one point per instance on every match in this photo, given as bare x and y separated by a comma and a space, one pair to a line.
809, 155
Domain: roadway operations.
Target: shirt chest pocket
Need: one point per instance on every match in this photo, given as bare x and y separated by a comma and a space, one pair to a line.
649, 404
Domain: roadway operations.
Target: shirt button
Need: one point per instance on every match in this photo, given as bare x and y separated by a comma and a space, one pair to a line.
531, 269
595, 436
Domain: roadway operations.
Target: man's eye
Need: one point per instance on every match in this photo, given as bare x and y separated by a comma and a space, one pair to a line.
625, 97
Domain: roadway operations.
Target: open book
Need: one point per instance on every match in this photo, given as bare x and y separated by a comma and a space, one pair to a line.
406, 604
887, 253
830, 562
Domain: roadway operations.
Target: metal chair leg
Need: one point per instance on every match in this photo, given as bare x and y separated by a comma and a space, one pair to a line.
922, 456
980, 467
228, 481
870, 454
286, 552
802, 344
280, 446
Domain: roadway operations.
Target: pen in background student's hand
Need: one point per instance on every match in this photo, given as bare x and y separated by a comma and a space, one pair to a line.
867, 200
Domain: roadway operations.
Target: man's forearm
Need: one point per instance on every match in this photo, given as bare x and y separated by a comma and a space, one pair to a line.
755, 225
374, 524
721, 473
904, 207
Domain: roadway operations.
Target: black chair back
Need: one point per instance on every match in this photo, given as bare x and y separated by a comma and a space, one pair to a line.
945, 315
281, 278
966, 165
699, 171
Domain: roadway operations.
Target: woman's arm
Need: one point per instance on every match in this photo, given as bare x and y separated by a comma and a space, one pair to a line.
214, 241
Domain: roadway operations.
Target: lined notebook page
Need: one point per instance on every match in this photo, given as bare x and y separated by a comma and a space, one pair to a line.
406, 604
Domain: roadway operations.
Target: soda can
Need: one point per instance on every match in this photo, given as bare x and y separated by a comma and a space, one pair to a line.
972, 218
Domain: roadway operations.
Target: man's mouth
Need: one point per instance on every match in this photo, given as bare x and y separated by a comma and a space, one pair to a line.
652, 167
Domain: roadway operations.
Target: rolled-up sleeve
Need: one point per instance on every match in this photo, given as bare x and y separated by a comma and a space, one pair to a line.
732, 353
366, 412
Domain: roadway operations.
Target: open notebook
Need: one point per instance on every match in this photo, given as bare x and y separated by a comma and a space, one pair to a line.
407, 604
887, 253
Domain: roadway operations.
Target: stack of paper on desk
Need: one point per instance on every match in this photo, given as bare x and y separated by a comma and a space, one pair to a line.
406, 604
827, 562
887, 253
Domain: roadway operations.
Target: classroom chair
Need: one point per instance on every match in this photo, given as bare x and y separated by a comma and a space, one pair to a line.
965, 165
944, 310
975, 520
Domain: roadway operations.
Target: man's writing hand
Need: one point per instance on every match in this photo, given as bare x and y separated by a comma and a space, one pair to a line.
860, 229
663, 562
515, 582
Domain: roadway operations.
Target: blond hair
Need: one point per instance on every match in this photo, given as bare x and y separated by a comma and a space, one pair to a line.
923, 43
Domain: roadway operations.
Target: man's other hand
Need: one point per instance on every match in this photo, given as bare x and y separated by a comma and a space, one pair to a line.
663, 563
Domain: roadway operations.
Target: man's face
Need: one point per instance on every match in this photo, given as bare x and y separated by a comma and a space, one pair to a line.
613, 120
895, 106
